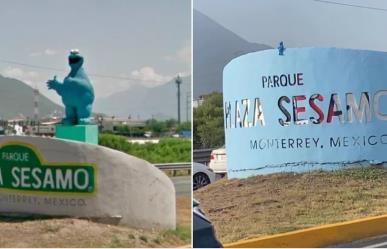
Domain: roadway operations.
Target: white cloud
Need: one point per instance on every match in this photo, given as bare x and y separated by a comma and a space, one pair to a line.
47, 51
29, 77
33, 54
182, 55
184, 74
103, 87
149, 76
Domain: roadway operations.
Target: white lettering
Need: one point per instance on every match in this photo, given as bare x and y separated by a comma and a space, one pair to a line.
258, 113
15, 156
15, 177
77, 179
64, 182
378, 113
24, 177
48, 179
360, 111
1, 178
37, 182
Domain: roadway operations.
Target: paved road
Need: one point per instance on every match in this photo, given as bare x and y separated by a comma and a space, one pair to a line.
374, 242
182, 185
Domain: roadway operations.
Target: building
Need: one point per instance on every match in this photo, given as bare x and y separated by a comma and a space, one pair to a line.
112, 123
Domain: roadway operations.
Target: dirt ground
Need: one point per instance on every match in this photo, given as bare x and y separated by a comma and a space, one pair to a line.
282, 202
70, 232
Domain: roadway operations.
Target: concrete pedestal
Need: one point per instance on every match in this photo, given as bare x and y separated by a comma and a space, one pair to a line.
82, 133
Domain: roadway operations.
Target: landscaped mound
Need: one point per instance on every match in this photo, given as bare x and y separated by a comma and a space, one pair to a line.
282, 202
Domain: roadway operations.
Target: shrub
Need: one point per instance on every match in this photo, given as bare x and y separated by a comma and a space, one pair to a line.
168, 150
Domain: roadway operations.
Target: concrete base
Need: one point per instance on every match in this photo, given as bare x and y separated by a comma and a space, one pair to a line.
82, 133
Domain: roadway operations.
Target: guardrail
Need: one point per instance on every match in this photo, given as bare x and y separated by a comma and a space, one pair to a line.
174, 166
202, 156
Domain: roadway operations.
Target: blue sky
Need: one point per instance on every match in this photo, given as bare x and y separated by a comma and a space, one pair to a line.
147, 41
302, 23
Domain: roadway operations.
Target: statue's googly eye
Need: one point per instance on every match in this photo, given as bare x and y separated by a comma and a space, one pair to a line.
74, 51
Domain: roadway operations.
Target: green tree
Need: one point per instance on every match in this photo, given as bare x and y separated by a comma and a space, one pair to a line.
157, 127
170, 123
184, 126
129, 131
208, 129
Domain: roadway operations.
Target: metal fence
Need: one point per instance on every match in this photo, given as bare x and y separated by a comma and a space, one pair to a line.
199, 156
174, 166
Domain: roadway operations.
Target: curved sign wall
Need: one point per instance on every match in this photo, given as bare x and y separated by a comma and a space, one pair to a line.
57, 177
311, 108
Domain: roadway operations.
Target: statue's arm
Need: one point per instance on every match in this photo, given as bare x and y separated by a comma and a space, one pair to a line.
55, 84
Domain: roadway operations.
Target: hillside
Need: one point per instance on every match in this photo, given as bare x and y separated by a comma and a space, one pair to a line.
277, 203
158, 102
16, 98
213, 47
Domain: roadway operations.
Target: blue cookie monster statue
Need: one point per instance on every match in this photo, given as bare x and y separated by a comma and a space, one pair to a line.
76, 91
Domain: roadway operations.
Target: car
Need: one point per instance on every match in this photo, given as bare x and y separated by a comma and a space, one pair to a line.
203, 231
218, 161
202, 175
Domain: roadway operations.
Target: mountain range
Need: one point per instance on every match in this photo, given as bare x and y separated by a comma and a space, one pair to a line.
146, 102
213, 47
17, 98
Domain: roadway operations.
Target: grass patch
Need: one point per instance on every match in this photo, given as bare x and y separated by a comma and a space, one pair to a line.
52, 228
182, 232
143, 238
115, 243
373, 174
157, 241
282, 202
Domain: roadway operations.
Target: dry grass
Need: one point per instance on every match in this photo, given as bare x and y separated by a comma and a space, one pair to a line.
277, 203
83, 233
184, 209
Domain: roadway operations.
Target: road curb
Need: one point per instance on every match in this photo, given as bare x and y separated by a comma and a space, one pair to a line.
320, 236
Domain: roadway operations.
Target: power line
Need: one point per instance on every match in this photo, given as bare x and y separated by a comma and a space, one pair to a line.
30, 65
61, 70
351, 5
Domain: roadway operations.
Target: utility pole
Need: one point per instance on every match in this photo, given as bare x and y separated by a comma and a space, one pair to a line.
36, 108
188, 105
178, 82
36, 100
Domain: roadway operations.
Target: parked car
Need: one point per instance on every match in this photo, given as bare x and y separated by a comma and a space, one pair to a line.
203, 231
202, 175
218, 161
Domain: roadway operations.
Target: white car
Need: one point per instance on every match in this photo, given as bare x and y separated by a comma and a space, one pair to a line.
218, 161
202, 175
